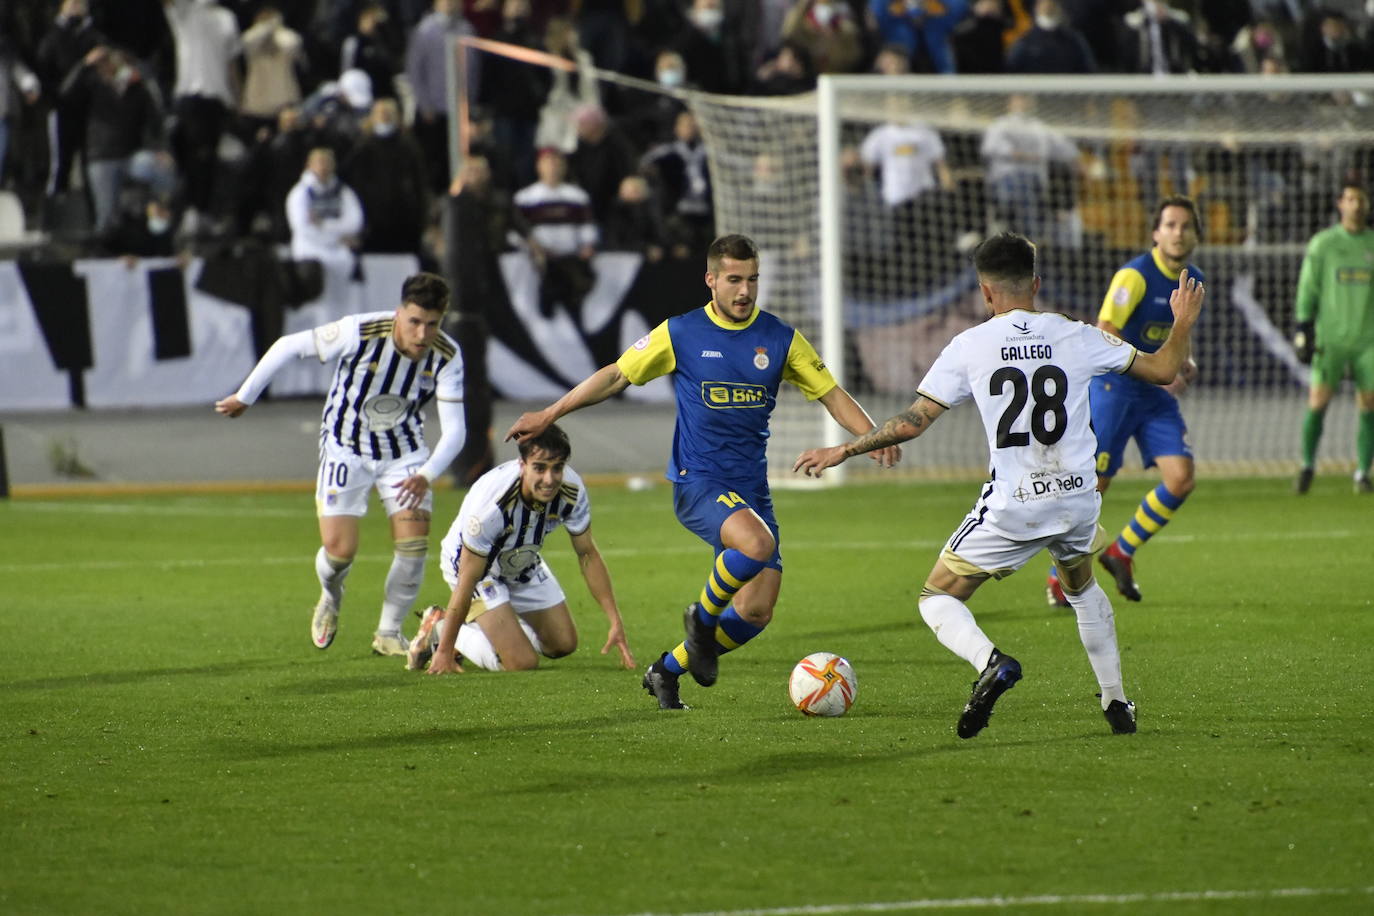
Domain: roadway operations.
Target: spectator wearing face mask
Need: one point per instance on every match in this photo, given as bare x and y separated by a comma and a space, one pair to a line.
712, 47
648, 116
387, 170
325, 214
827, 30
1254, 44
145, 233
923, 27
1051, 45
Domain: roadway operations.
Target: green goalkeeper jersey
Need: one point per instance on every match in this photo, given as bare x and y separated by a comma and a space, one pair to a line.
1336, 287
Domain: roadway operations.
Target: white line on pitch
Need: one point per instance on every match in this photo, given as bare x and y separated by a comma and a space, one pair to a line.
1002, 903
559, 553
213, 511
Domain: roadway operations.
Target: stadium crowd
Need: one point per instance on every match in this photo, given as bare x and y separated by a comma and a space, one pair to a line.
145, 127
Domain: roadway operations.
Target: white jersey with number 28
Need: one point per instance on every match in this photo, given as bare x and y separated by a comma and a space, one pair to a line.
1028, 373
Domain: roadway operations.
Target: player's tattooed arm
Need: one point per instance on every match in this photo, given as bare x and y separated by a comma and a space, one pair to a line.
909, 424
906, 425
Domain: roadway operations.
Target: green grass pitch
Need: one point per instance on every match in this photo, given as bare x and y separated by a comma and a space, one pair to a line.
171, 742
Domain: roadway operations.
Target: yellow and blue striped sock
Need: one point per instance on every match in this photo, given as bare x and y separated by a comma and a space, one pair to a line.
730, 572
1154, 512
733, 632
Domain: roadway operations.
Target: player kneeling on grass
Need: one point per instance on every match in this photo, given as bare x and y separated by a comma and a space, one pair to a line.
507, 607
1028, 372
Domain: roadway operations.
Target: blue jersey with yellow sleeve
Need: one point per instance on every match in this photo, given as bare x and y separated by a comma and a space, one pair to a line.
1137, 301
725, 377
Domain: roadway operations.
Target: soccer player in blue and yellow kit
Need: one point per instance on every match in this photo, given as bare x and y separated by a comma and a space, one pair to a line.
727, 361
1136, 309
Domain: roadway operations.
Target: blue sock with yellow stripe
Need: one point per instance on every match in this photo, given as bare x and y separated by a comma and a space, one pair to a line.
730, 572
732, 632
1154, 512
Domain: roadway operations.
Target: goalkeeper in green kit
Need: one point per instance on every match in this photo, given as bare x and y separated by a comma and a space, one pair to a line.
1335, 328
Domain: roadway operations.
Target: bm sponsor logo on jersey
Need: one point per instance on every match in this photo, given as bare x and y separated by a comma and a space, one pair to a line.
725, 395
1156, 331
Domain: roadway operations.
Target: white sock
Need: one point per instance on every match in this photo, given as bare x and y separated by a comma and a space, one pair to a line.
474, 646
331, 571
953, 624
532, 636
402, 586
1097, 630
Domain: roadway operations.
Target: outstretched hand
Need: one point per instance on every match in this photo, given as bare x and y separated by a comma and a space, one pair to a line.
230, 406
1186, 301
814, 461
529, 424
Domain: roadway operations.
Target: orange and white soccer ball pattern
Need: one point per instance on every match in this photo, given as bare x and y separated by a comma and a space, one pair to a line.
823, 684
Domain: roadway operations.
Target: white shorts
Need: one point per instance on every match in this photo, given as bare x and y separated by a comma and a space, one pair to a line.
541, 592
345, 478
975, 550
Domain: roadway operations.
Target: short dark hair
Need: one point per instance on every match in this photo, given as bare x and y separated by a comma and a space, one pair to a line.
736, 247
1007, 258
552, 441
1178, 200
428, 291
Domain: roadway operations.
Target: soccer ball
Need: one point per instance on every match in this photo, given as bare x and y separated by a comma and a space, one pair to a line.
823, 684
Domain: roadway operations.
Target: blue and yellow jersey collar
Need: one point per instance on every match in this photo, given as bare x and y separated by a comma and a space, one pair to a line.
1159, 262
731, 325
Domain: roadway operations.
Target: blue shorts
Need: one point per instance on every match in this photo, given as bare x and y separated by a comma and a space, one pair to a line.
1124, 409
703, 505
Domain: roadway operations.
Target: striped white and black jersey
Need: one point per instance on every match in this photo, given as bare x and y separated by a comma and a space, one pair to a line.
376, 401
560, 218
496, 523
